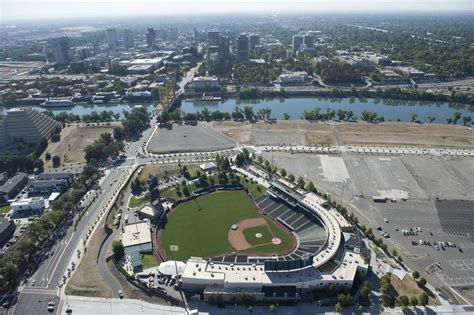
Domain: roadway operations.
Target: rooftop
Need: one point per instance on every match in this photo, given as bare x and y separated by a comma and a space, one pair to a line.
136, 233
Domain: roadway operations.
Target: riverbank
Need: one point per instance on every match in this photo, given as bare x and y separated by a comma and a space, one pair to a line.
336, 108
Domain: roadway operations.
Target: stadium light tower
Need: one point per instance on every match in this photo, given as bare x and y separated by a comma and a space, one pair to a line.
174, 249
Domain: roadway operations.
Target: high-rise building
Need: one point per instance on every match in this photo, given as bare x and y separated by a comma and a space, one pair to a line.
61, 50
308, 40
112, 37
254, 41
173, 34
213, 38
151, 37
224, 51
243, 47
128, 40
162, 33
297, 42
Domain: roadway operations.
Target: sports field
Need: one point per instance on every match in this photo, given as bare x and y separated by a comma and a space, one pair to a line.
258, 235
200, 227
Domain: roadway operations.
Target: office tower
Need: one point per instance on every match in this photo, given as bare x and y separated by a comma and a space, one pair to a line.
254, 41
173, 34
224, 47
297, 42
213, 38
128, 40
150, 37
112, 37
243, 48
308, 40
61, 50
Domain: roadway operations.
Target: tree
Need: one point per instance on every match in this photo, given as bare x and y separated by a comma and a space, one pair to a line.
56, 161
118, 133
291, 178
423, 299
338, 307
414, 117
413, 301
416, 274
47, 156
286, 116
118, 250
272, 308
403, 300
456, 117
345, 299
466, 119
394, 252
422, 282
136, 186
431, 119
300, 182
311, 187
55, 137
283, 172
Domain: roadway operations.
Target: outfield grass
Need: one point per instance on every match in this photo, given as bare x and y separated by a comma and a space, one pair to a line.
137, 201
199, 227
148, 261
249, 234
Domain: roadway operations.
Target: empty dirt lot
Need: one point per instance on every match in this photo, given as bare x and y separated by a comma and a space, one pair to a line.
73, 141
299, 132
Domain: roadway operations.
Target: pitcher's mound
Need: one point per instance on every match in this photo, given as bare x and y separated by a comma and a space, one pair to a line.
276, 241
258, 235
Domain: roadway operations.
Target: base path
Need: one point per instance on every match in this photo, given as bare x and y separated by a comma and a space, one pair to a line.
237, 239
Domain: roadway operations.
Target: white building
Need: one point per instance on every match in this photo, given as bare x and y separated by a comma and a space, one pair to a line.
35, 205
293, 77
204, 83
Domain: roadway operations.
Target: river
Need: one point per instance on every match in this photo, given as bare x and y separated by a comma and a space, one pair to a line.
295, 106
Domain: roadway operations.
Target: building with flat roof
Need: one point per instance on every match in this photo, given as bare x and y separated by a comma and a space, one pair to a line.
7, 228
205, 83
26, 125
243, 46
67, 176
136, 240
47, 187
13, 186
28, 206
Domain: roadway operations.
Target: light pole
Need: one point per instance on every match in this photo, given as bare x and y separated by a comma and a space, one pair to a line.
342, 191
174, 249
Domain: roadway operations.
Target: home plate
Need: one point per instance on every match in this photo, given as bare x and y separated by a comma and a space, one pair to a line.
276, 241
258, 235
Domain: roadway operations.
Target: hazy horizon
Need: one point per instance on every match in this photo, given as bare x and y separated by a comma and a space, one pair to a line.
17, 10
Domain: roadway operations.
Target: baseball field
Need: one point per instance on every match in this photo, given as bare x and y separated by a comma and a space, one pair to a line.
202, 227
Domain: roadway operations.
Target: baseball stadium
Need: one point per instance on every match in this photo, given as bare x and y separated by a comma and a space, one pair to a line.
273, 248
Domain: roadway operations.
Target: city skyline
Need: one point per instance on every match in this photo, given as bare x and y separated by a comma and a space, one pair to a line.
56, 9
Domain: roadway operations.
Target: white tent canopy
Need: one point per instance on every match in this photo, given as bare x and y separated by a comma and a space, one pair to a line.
169, 267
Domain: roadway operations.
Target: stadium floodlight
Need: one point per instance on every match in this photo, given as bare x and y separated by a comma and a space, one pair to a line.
174, 249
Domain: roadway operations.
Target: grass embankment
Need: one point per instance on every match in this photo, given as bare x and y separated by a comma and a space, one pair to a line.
137, 201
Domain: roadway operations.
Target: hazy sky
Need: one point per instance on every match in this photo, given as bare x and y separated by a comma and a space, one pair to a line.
46, 9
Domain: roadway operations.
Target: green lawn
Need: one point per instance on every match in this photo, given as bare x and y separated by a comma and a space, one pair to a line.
148, 261
250, 233
137, 201
5, 209
199, 227
255, 189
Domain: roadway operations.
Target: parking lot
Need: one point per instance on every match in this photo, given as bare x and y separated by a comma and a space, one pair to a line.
433, 187
185, 138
